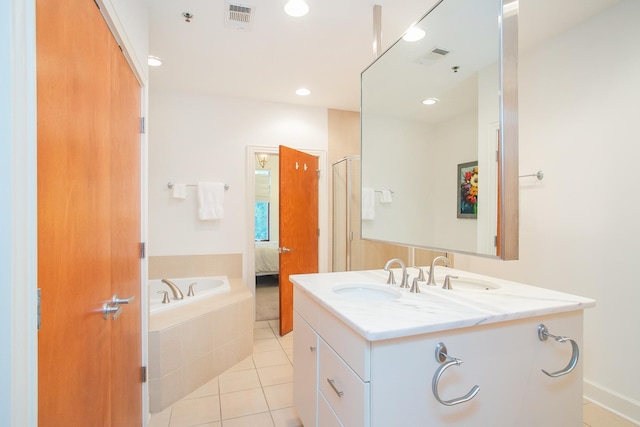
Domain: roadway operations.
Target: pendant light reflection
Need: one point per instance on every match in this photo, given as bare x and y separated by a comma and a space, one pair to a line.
296, 8
413, 34
262, 159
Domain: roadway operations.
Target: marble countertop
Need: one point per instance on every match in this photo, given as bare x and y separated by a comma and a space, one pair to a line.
433, 309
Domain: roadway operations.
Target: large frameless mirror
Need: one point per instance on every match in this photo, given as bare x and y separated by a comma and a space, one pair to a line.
439, 133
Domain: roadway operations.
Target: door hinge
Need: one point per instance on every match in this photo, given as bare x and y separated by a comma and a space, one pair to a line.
143, 250
143, 373
318, 232
318, 172
495, 241
38, 310
142, 125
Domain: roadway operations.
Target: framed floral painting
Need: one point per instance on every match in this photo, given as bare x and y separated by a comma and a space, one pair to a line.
468, 190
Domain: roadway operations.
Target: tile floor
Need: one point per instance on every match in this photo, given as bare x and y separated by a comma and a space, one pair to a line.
258, 392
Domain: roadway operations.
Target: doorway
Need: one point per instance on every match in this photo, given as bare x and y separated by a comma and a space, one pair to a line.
323, 212
266, 235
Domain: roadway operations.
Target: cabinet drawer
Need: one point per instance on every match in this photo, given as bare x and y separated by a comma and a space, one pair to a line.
326, 416
353, 348
343, 389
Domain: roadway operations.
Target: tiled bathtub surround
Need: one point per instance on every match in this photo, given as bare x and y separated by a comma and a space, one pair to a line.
169, 266
192, 344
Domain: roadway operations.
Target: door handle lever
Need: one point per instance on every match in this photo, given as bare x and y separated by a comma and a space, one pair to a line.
284, 250
114, 306
107, 309
116, 300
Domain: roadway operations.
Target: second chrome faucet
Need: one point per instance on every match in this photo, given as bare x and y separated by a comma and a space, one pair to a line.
432, 276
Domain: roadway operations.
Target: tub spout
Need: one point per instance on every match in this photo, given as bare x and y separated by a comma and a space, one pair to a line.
177, 293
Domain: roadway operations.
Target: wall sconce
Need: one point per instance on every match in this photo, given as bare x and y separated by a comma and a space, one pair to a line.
263, 159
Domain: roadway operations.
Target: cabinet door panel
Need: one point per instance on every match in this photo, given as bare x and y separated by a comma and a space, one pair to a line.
504, 359
305, 377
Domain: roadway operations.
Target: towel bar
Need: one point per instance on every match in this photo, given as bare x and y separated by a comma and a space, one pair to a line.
170, 185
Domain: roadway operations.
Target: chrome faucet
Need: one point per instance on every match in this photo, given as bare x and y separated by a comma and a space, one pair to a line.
415, 285
392, 280
432, 276
177, 293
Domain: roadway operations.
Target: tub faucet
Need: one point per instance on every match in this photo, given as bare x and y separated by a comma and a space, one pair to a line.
432, 276
177, 293
392, 280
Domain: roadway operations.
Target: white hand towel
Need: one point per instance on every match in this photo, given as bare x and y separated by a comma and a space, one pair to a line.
385, 196
210, 200
180, 191
368, 202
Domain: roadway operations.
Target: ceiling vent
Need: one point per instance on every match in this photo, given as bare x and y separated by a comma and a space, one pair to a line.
434, 55
238, 16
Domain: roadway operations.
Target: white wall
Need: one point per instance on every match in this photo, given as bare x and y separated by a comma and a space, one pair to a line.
18, 244
401, 146
204, 138
579, 103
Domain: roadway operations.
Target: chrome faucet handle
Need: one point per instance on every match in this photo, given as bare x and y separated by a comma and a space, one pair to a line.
447, 281
420, 274
191, 293
165, 297
415, 286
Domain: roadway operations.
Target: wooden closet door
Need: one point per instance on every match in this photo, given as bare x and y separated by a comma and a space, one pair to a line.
126, 340
88, 221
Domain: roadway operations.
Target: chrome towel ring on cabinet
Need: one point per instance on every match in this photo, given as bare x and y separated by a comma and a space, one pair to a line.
442, 356
543, 334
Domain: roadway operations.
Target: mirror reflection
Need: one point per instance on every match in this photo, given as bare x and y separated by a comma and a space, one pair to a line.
430, 133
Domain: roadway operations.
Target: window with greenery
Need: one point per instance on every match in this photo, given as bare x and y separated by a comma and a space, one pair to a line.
263, 199
262, 221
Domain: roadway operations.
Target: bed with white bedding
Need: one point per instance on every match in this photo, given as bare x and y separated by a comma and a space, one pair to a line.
267, 260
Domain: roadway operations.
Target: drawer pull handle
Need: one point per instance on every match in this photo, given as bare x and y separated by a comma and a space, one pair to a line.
333, 386
312, 348
442, 356
543, 334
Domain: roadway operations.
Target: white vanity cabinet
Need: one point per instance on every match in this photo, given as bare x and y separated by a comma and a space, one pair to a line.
350, 381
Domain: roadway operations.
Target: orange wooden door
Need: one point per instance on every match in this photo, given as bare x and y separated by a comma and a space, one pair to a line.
88, 222
298, 224
126, 342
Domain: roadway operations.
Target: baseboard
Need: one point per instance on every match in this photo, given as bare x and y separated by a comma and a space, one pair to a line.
612, 401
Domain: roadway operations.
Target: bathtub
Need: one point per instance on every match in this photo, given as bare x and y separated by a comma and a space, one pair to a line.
204, 286
191, 341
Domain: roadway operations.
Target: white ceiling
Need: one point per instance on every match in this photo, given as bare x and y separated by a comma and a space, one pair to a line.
324, 51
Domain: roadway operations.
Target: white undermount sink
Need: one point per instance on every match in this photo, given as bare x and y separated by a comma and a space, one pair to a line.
366, 292
468, 284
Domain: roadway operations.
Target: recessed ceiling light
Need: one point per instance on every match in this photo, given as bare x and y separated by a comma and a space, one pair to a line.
296, 8
430, 101
303, 92
154, 61
413, 34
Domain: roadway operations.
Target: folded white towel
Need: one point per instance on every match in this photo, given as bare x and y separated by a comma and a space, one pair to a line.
385, 196
210, 200
180, 191
368, 202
